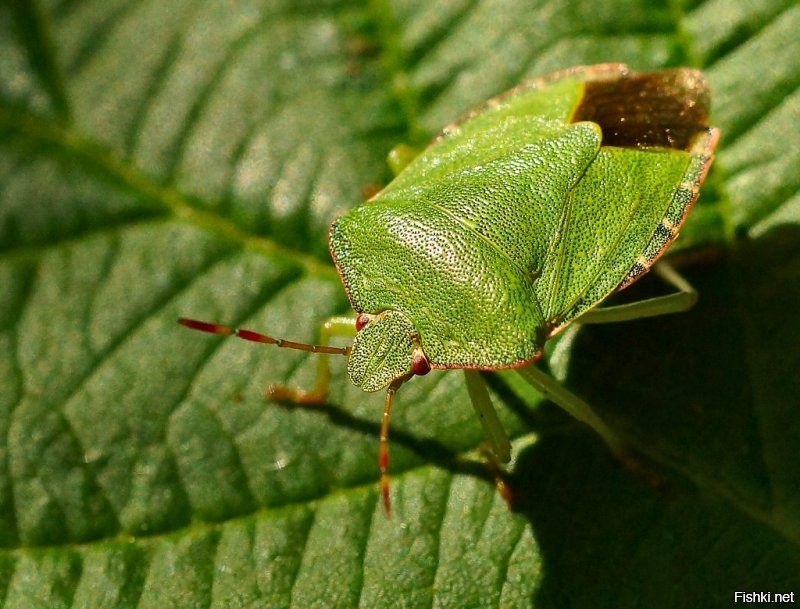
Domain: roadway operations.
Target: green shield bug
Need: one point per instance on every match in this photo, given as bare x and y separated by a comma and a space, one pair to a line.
516, 221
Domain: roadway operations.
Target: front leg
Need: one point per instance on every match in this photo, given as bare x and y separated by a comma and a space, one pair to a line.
339, 326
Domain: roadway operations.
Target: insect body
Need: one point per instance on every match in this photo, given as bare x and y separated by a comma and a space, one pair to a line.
516, 221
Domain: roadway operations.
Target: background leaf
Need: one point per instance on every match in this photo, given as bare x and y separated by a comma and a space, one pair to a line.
186, 158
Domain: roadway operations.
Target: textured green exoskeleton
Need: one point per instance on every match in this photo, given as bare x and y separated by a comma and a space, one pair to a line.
517, 220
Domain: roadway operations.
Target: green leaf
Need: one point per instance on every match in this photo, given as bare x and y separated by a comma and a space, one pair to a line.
186, 158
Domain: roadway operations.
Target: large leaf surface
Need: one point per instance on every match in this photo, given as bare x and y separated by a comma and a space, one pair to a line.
185, 158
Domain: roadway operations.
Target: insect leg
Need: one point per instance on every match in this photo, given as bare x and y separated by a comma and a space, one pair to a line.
340, 326
677, 302
551, 389
401, 156
499, 450
492, 427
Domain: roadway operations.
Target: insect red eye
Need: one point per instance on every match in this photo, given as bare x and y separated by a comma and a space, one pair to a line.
420, 364
361, 321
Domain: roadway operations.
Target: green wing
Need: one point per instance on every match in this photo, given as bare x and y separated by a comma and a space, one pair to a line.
515, 221
610, 218
461, 255
486, 133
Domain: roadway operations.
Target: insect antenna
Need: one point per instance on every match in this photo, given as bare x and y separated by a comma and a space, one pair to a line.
383, 453
257, 337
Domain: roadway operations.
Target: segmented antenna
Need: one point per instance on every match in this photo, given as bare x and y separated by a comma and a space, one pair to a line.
383, 453
257, 337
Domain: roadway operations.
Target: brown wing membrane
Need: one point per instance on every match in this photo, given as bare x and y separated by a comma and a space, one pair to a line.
654, 109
